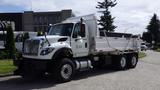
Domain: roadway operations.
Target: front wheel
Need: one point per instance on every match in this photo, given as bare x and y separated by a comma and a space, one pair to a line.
64, 70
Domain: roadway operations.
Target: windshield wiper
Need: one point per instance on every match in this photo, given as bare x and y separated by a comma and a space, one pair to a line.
47, 40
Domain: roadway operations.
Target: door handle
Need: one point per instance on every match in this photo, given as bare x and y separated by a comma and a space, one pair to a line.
77, 39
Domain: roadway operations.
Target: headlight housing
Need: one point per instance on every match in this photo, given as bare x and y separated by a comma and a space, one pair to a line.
46, 51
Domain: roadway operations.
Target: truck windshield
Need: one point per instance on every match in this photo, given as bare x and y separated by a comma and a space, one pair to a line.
61, 29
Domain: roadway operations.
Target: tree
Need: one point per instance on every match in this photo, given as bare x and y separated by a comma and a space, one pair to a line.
10, 43
153, 28
146, 36
106, 20
26, 36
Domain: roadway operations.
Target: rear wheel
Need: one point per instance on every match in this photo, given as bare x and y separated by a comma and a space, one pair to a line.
133, 59
120, 62
64, 70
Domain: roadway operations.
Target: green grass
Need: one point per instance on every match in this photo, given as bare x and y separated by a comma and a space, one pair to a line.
158, 50
142, 54
6, 66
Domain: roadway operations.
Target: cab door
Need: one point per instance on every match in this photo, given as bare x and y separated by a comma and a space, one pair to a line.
79, 41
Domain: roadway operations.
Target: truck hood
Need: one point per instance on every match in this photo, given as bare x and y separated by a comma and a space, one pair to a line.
52, 38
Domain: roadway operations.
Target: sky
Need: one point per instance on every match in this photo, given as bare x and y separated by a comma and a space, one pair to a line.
131, 16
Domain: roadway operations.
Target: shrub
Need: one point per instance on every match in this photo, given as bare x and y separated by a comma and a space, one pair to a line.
4, 55
40, 33
25, 36
18, 55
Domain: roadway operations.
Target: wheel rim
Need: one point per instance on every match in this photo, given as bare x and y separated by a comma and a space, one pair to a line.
123, 62
66, 71
134, 61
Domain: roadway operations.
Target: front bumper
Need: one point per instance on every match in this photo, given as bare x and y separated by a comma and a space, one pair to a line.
27, 64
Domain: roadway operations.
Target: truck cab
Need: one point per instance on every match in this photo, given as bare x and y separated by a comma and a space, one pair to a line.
71, 36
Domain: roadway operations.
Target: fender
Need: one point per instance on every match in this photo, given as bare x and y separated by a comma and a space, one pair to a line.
63, 52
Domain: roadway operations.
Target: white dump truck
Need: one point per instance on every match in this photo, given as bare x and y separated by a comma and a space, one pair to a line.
76, 44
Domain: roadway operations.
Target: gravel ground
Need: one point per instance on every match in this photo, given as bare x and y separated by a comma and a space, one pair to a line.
146, 76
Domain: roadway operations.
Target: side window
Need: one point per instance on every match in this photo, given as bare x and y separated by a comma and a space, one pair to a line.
83, 31
79, 30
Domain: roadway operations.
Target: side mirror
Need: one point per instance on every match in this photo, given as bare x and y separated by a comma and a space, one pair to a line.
45, 33
49, 27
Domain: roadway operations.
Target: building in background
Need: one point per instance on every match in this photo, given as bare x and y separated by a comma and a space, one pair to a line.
34, 21
15, 19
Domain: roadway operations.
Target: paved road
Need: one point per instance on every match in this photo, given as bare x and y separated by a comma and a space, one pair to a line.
146, 76
152, 57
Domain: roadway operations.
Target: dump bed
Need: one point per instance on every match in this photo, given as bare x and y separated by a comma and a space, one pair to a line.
100, 41
108, 44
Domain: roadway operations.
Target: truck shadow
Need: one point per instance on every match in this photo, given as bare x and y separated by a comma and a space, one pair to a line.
17, 83
93, 73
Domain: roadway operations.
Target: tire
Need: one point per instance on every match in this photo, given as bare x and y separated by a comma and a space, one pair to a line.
120, 62
64, 70
132, 62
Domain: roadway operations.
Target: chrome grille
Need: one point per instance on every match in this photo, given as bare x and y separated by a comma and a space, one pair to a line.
31, 47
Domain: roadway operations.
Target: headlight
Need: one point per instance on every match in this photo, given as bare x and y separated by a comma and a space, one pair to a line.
46, 51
